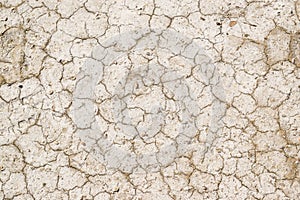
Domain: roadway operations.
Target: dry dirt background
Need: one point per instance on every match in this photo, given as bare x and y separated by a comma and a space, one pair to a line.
253, 45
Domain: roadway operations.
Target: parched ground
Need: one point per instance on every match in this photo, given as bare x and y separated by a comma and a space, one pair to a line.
149, 99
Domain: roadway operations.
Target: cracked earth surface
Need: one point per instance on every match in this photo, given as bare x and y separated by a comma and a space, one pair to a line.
150, 99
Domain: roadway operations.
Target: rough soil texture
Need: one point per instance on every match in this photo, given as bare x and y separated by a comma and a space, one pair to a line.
237, 100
